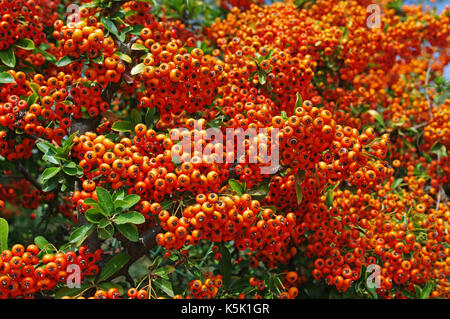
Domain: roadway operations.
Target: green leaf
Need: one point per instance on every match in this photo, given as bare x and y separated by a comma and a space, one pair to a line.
129, 231
43, 244
165, 285
99, 58
136, 117
262, 77
129, 201
166, 205
105, 200
130, 217
260, 192
32, 98
124, 57
137, 69
236, 186
114, 265
149, 115
104, 223
44, 147
93, 215
91, 202
72, 169
299, 101
48, 57
105, 232
426, 291
110, 26
25, 44
225, 266
49, 173
122, 126
66, 60
329, 194
164, 271
5, 77
50, 184
8, 57
396, 183
299, 177
80, 234
51, 159
377, 117
138, 47
4, 229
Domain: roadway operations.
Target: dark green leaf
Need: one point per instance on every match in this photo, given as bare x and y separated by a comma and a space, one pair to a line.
236, 186
80, 234
66, 60
25, 44
114, 265
93, 215
8, 57
129, 231
110, 26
